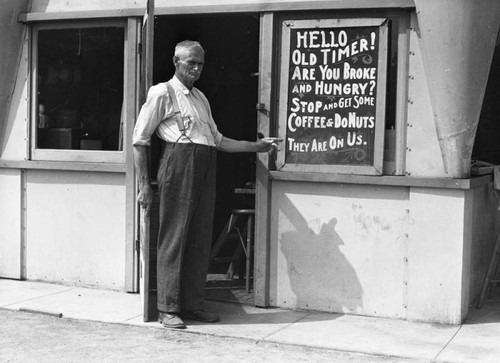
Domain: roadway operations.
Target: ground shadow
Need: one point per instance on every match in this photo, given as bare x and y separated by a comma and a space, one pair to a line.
248, 314
236, 306
489, 313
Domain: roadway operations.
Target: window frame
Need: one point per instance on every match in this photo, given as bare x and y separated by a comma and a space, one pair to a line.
71, 155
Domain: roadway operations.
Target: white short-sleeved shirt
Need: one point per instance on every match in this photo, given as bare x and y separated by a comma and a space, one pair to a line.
157, 115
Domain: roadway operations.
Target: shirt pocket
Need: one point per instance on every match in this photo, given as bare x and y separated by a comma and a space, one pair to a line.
187, 116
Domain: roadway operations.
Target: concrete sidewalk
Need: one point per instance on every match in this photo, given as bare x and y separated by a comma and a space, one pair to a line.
477, 340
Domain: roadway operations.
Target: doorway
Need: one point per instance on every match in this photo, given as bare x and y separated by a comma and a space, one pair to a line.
486, 151
230, 82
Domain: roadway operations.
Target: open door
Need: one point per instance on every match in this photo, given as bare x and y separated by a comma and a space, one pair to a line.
230, 80
148, 296
265, 162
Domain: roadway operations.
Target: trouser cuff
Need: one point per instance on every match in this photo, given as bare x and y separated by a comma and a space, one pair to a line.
168, 309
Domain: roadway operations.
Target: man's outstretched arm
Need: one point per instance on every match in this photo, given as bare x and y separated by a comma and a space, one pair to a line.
237, 146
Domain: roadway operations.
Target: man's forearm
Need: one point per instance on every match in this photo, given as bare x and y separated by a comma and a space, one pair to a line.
234, 146
141, 165
237, 146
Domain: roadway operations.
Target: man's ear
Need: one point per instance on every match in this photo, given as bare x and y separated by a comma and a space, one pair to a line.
175, 60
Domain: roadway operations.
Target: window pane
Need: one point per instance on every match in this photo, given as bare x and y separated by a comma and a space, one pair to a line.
80, 88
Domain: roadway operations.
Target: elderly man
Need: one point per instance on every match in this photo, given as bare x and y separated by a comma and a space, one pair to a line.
181, 117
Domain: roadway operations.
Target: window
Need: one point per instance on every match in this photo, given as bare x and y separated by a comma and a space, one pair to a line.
78, 92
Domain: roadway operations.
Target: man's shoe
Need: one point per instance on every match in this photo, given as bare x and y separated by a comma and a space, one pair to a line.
200, 315
172, 321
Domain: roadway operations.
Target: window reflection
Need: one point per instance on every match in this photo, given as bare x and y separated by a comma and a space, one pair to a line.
80, 88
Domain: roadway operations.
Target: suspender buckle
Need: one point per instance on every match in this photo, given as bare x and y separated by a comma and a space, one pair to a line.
177, 112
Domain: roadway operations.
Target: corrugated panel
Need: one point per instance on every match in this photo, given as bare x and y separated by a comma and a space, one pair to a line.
423, 155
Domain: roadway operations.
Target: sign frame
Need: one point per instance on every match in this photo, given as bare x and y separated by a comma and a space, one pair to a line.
376, 168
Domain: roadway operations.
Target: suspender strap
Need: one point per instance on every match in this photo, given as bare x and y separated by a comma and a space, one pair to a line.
177, 111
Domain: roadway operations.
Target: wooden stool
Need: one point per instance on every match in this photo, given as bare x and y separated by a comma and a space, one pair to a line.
232, 232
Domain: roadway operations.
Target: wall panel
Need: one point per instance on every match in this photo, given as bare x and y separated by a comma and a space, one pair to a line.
436, 255
76, 228
10, 223
339, 248
423, 156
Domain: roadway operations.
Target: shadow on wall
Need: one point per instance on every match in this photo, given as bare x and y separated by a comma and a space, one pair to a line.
11, 41
320, 276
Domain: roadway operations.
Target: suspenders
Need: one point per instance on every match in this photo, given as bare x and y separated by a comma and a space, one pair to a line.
177, 112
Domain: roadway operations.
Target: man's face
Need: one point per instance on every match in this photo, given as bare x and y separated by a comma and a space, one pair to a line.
188, 66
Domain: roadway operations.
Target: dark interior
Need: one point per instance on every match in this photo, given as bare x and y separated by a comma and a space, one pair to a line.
230, 82
487, 145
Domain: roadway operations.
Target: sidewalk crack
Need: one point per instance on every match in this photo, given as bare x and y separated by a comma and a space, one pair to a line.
286, 326
448, 343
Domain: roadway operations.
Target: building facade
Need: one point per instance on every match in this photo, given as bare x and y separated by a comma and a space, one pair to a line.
371, 206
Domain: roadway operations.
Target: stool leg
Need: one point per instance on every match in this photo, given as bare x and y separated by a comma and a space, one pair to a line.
222, 237
249, 252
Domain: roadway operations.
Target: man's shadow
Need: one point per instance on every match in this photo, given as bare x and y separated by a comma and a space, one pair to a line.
308, 273
320, 277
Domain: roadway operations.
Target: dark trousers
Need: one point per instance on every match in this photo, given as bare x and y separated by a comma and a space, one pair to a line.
186, 178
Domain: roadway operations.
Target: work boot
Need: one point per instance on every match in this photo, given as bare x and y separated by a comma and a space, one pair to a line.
171, 320
200, 315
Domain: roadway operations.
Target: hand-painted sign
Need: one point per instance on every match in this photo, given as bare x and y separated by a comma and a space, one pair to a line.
334, 100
